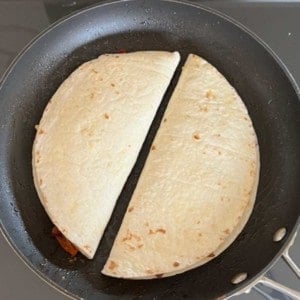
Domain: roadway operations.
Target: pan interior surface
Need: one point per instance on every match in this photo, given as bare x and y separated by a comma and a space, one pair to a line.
266, 89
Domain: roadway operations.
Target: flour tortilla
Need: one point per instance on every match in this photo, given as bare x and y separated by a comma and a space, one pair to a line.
89, 138
198, 187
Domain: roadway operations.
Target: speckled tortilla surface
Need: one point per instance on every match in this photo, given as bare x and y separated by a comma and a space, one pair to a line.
198, 186
89, 138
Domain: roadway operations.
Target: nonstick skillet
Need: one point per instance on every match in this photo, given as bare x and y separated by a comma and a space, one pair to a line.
262, 81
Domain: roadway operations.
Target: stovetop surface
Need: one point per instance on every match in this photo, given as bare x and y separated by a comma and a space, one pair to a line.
276, 22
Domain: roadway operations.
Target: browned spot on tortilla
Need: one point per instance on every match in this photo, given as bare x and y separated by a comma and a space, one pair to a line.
209, 95
239, 217
87, 131
131, 247
218, 135
130, 209
127, 237
198, 222
106, 116
100, 79
160, 230
198, 257
149, 272
130, 236
41, 131
211, 255
245, 118
117, 56
176, 264
112, 265
227, 231
86, 247
219, 183
219, 152
112, 84
251, 172
165, 120
92, 96
153, 147
117, 92
140, 246
138, 238
159, 275
222, 199
199, 234
146, 224
94, 71
41, 181
196, 136
203, 108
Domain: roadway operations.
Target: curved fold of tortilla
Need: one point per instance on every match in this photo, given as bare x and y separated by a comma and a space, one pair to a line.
89, 138
198, 186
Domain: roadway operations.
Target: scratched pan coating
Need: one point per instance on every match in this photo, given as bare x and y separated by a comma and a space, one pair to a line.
262, 81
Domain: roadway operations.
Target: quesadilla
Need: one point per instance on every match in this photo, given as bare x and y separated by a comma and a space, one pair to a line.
89, 138
198, 186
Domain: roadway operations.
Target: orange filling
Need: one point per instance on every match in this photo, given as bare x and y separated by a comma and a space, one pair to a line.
63, 242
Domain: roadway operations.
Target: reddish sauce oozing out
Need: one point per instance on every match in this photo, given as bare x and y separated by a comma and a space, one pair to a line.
121, 51
63, 242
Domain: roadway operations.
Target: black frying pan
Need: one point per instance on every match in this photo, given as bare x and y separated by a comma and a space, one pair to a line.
251, 67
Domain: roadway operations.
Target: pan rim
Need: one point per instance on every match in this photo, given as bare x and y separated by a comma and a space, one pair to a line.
202, 7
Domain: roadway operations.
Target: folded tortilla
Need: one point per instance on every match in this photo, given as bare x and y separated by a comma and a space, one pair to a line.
198, 186
89, 138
